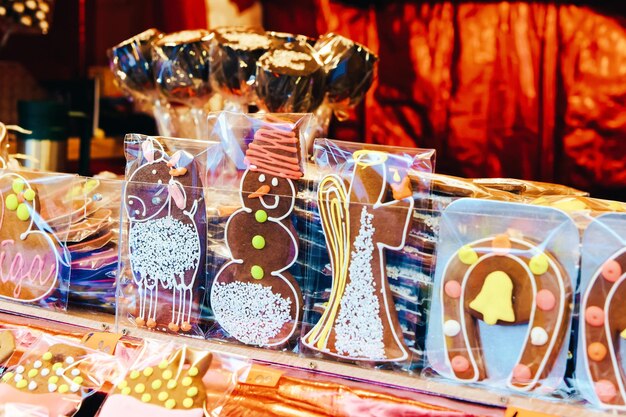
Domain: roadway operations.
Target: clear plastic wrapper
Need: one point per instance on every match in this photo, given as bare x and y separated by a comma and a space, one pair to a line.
181, 69
53, 377
358, 216
290, 78
234, 55
350, 67
503, 295
26, 16
252, 187
600, 375
170, 380
35, 263
527, 188
162, 278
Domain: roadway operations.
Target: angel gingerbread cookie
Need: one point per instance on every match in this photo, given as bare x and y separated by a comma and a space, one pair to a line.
361, 220
501, 281
171, 388
32, 259
603, 326
254, 298
166, 237
54, 380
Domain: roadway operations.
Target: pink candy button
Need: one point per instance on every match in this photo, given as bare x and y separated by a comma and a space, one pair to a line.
605, 390
594, 316
611, 270
459, 364
522, 373
452, 289
545, 300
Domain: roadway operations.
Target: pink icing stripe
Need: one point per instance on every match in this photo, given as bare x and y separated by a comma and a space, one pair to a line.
263, 152
176, 195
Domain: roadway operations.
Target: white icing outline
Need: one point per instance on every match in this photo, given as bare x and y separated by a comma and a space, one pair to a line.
388, 304
563, 301
277, 273
609, 337
185, 292
48, 234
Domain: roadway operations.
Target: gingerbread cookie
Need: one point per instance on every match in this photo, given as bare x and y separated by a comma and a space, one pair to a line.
173, 387
504, 280
361, 221
253, 297
166, 237
7, 345
32, 259
54, 380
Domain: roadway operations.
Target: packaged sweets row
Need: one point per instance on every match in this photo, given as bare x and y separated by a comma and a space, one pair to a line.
179, 74
56, 373
354, 252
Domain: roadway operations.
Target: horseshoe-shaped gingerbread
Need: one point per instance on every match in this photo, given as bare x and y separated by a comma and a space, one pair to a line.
503, 280
603, 326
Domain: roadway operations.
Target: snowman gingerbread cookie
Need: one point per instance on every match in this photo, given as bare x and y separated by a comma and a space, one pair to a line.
253, 297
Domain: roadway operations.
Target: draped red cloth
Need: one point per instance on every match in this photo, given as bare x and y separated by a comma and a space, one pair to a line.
532, 90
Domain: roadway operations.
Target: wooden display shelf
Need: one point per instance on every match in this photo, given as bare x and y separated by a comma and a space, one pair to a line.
472, 394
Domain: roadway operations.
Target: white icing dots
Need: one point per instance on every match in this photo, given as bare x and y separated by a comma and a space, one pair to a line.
69, 360
75, 372
18, 377
19, 370
538, 336
52, 387
359, 328
37, 364
45, 372
32, 386
451, 328
260, 313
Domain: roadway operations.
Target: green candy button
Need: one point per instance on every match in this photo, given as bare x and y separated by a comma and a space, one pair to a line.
258, 242
260, 216
257, 272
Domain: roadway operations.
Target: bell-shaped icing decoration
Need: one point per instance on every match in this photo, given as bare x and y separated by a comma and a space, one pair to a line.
495, 299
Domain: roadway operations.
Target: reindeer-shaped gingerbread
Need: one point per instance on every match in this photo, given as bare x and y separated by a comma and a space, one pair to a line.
360, 321
166, 238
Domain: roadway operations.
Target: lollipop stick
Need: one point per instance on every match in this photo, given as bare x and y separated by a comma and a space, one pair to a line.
161, 111
201, 123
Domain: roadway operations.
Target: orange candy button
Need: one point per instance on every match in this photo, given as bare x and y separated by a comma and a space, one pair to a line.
452, 289
522, 373
596, 351
605, 390
594, 315
611, 270
459, 364
501, 244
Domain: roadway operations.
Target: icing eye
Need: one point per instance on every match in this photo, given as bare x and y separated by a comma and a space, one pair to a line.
156, 200
136, 211
130, 203
274, 182
262, 178
154, 171
159, 182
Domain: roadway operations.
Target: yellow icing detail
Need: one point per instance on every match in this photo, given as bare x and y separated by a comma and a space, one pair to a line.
623, 334
32, 373
7, 376
539, 264
57, 366
126, 391
163, 396
495, 299
167, 374
192, 392
171, 384
145, 398
47, 356
570, 205
17, 186
64, 388
171, 403
467, 255
21, 383
122, 384
11, 202
78, 380
193, 371
336, 224
23, 213
53, 379
372, 157
163, 364
156, 384
186, 381
187, 402
140, 388
134, 374
148, 371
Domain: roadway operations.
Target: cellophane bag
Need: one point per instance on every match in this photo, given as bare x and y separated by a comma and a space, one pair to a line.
366, 268
599, 371
92, 241
503, 296
162, 278
35, 262
53, 377
176, 380
253, 184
